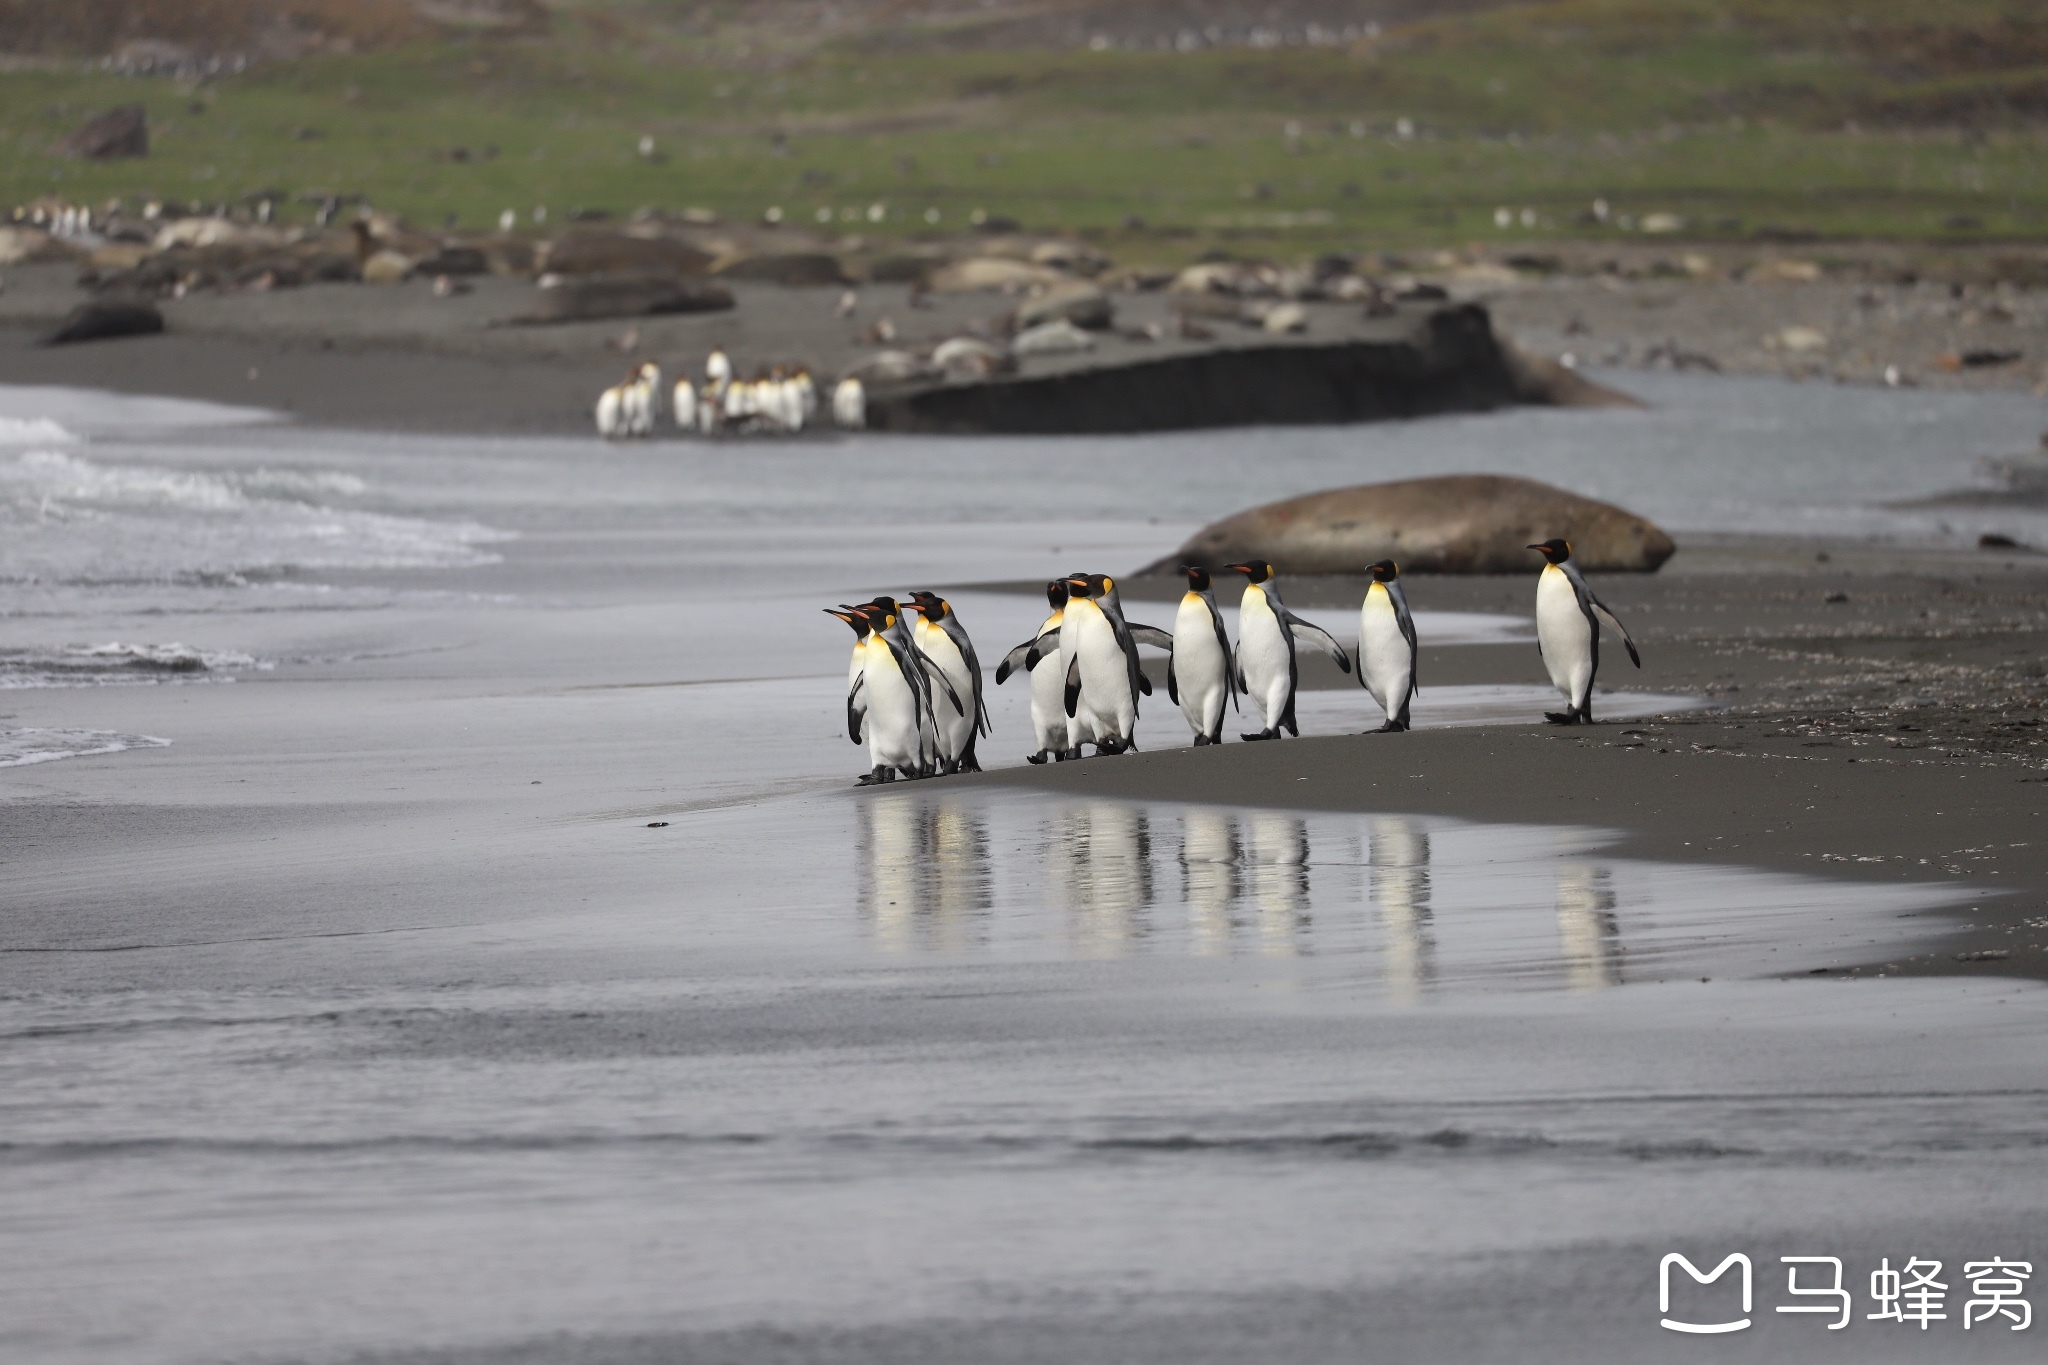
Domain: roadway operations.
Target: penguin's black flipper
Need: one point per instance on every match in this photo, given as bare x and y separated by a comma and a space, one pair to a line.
1073, 685
1144, 686
1046, 644
1614, 624
855, 714
938, 675
1407, 624
1152, 635
1315, 634
1013, 661
1172, 687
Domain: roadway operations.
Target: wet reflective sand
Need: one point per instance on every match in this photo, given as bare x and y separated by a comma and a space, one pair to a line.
508, 972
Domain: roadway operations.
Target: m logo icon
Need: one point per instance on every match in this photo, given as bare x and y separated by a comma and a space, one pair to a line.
1702, 1328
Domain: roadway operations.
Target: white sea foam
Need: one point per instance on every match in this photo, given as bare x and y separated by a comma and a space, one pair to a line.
117, 664
34, 431
19, 748
65, 518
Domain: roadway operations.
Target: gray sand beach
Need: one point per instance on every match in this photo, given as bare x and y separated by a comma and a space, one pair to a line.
442, 926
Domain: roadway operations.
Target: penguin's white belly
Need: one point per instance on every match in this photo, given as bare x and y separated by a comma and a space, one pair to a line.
955, 728
1049, 705
1383, 653
1264, 657
1105, 679
895, 738
1565, 635
1200, 668
610, 415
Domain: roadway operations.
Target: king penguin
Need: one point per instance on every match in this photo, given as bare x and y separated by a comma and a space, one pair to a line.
1199, 675
1386, 645
1103, 679
1568, 621
683, 405
856, 704
1266, 633
1048, 685
943, 640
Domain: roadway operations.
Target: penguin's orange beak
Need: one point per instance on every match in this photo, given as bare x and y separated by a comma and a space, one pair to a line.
1244, 569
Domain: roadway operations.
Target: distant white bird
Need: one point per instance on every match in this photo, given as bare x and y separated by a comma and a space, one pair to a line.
683, 404
642, 400
717, 372
807, 394
611, 408
850, 404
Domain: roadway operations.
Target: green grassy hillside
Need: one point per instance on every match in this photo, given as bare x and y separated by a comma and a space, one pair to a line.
1729, 117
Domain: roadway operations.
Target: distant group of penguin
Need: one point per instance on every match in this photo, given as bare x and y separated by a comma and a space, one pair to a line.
914, 687
778, 401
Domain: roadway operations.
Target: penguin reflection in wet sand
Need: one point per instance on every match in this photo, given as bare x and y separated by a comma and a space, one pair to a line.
1048, 684
1568, 621
1266, 634
1199, 675
943, 640
1386, 645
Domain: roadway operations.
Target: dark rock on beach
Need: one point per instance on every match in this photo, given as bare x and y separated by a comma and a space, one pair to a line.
1443, 359
103, 319
1460, 523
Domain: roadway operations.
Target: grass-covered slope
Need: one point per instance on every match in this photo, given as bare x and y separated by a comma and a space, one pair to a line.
1879, 117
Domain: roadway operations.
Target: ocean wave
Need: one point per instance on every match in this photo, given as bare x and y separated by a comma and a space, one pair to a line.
34, 431
19, 748
68, 519
118, 664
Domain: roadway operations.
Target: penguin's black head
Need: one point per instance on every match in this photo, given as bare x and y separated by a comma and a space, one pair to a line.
1554, 550
1089, 585
1198, 577
1257, 570
933, 606
882, 613
1056, 593
853, 617
1386, 571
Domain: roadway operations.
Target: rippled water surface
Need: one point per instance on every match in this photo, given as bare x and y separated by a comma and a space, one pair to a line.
503, 967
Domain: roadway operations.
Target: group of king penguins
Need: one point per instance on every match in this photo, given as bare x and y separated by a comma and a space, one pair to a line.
780, 400
914, 690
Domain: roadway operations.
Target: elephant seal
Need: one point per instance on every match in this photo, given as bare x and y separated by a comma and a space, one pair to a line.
1457, 523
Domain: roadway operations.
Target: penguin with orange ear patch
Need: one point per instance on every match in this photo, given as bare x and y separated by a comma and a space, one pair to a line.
1568, 621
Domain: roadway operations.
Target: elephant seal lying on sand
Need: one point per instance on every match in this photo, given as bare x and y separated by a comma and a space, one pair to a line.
1457, 523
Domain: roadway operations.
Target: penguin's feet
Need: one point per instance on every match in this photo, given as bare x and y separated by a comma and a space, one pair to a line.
1109, 746
1200, 740
1263, 734
1038, 757
1071, 754
1562, 717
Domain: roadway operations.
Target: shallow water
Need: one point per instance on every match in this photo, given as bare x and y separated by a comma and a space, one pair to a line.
370, 1013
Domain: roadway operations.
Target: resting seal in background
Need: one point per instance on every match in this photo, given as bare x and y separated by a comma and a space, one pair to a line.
1457, 523
106, 318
